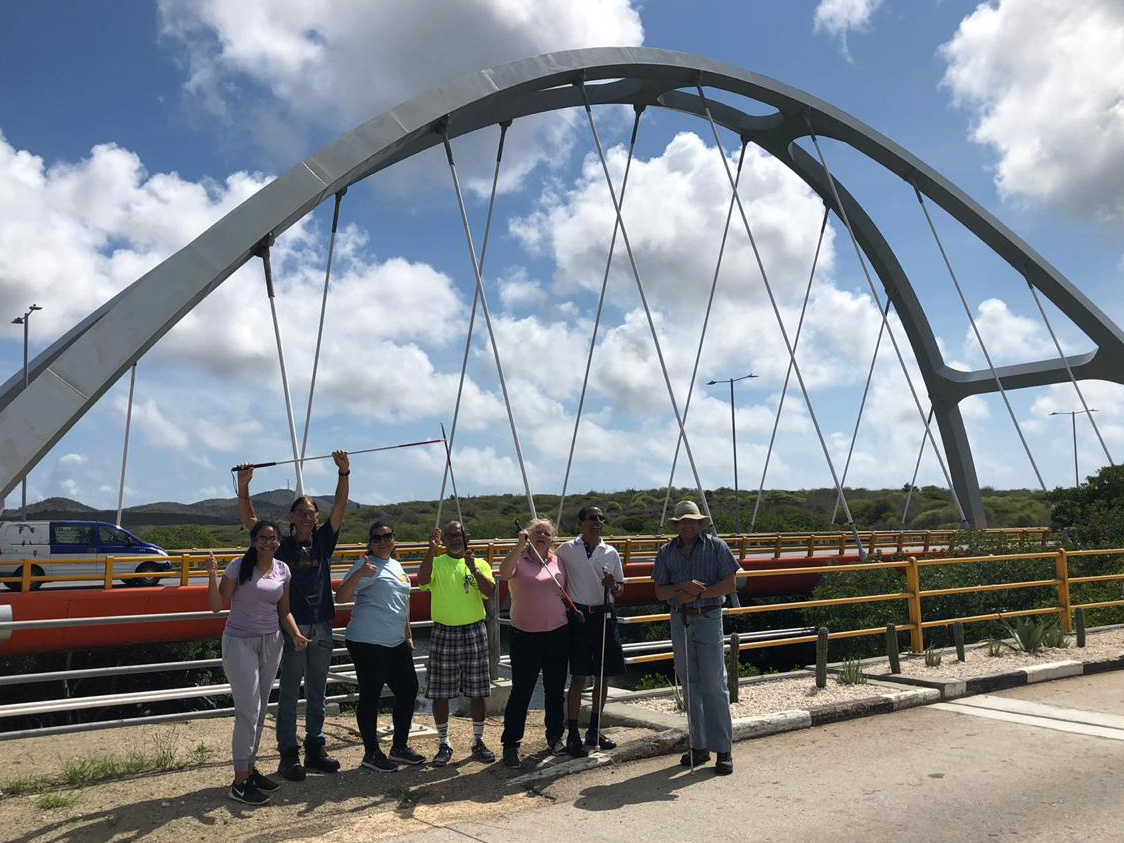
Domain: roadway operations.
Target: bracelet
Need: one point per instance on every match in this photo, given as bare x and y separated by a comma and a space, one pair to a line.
345, 473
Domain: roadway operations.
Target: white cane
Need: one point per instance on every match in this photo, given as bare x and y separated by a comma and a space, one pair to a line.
600, 687
687, 688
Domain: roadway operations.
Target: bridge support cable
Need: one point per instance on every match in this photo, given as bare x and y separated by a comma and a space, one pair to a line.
702, 339
597, 319
830, 179
580, 83
979, 337
468, 338
862, 404
452, 477
320, 329
487, 316
780, 322
1069, 371
916, 468
263, 253
788, 373
125, 449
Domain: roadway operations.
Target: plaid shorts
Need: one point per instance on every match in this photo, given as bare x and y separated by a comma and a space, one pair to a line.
458, 662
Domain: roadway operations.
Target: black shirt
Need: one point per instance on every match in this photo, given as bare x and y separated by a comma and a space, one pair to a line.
310, 590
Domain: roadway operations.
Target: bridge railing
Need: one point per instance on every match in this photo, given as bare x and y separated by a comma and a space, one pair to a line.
189, 564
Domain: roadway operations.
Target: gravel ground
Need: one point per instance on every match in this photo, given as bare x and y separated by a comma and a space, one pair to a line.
773, 695
1098, 645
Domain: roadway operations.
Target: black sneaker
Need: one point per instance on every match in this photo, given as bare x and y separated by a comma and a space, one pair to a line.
481, 752
290, 766
405, 755
511, 757
246, 793
262, 783
315, 758
599, 741
575, 747
378, 762
444, 755
724, 765
701, 757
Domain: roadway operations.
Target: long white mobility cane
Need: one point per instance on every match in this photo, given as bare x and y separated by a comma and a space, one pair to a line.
687, 687
600, 687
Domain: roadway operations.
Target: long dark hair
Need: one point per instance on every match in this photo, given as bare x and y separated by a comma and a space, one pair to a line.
250, 559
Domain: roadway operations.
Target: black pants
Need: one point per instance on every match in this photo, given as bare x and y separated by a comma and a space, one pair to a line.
532, 652
376, 666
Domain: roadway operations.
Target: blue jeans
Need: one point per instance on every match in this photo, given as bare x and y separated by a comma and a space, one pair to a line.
311, 664
699, 653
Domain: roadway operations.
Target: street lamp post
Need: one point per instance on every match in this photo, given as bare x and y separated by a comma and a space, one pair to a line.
24, 320
734, 443
1073, 419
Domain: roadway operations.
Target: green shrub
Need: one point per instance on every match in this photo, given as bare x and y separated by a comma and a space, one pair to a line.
851, 674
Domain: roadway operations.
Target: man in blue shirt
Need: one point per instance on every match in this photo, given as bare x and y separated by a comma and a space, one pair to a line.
694, 572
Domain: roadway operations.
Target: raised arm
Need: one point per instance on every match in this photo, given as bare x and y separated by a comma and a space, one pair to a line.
347, 589
511, 560
245, 505
342, 486
425, 570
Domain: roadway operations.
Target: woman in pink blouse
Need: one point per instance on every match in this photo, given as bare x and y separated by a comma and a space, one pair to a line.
540, 637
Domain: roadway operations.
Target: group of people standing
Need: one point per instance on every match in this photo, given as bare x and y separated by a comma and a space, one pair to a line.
562, 623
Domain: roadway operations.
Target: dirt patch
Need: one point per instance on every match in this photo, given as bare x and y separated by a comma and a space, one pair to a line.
190, 804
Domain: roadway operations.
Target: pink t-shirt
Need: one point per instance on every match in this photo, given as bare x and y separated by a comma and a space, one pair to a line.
536, 603
253, 606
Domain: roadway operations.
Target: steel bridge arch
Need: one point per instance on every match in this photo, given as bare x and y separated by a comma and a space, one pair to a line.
66, 379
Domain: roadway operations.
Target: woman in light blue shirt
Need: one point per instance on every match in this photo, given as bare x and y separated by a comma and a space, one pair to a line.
381, 647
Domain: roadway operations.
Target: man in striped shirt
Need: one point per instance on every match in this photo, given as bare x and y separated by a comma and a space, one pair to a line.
694, 572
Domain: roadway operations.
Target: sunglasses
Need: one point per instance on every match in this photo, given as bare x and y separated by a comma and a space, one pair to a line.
382, 537
600, 518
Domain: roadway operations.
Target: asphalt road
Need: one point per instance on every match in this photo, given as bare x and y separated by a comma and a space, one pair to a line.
1040, 763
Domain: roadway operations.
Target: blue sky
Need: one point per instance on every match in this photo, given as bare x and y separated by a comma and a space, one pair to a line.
128, 128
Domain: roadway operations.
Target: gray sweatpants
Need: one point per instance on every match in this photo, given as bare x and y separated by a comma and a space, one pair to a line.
250, 665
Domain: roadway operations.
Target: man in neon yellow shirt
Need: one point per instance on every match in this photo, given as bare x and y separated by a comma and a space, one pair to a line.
458, 650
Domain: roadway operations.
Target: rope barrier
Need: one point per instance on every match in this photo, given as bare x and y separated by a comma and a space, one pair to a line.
780, 322
468, 339
597, 318
843, 215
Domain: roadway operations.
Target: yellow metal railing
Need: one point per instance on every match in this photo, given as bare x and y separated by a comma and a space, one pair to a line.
187, 564
913, 594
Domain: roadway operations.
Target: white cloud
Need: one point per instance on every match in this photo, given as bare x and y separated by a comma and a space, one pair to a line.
839, 18
149, 418
1010, 338
313, 64
1043, 82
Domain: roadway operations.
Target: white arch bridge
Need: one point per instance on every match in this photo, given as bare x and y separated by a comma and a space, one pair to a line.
67, 378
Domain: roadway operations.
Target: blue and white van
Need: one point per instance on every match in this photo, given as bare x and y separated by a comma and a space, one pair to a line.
83, 545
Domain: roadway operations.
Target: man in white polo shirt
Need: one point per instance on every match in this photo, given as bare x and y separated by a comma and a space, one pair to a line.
594, 574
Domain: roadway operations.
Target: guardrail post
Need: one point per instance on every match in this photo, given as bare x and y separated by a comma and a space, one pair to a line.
108, 573
842, 544
811, 545
873, 543
627, 552
185, 569
821, 657
732, 672
25, 576
1061, 569
901, 542
928, 540
777, 547
913, 586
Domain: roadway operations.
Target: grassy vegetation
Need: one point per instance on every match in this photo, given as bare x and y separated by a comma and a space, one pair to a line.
50, 801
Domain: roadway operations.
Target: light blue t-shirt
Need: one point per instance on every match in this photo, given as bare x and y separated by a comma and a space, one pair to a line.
382, 603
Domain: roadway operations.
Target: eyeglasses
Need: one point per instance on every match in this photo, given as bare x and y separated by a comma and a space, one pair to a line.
268, 539
600, 518
382, 537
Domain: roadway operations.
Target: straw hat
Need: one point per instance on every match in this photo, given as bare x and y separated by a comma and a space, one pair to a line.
688, 511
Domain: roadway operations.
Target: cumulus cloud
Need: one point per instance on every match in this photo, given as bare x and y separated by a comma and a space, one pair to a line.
1010, 338
839, 18
1042, 80
332, 65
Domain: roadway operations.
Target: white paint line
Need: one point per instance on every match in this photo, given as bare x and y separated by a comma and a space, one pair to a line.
1040, 722
1051, 712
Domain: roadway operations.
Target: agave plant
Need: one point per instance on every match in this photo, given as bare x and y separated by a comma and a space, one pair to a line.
995, 647
851, 674
933, 657
1032, 634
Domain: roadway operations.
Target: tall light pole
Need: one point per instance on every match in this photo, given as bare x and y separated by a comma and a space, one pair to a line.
25, 321
734, 443
1073, 419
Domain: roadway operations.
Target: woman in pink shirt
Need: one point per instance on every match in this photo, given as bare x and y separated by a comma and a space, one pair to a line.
256, 587
540, 637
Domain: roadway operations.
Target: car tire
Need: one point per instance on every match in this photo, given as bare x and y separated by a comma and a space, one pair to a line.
147, 582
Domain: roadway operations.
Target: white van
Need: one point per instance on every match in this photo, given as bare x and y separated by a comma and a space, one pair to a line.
42, 543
